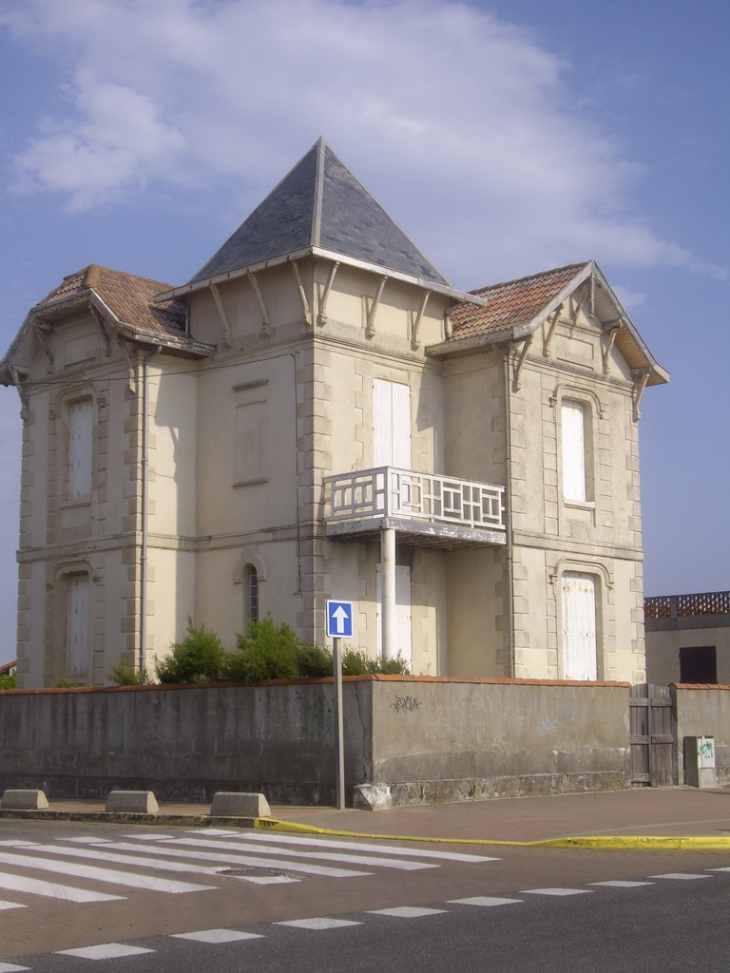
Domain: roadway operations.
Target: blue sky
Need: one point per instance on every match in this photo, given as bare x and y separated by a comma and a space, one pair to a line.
504, 136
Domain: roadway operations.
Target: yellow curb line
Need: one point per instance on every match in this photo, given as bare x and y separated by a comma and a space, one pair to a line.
649, 842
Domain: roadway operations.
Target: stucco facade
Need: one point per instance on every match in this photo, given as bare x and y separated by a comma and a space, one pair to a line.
271, 374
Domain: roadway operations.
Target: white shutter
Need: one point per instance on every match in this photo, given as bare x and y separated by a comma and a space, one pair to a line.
391, 424
579, 627
403, 612
77, 627
79, 450
572, 430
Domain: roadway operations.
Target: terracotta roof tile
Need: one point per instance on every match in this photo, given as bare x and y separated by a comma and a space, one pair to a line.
511, 304
129, 297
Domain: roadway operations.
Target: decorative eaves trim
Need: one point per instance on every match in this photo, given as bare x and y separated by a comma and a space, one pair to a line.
423, 282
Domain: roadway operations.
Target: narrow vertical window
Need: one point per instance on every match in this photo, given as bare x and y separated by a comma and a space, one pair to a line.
572, 416
251, 594
391, 424
77, 627
80, 422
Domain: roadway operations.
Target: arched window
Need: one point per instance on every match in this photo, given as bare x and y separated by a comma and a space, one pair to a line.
250, 593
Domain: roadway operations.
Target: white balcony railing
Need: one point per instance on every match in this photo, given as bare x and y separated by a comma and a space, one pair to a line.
389, 492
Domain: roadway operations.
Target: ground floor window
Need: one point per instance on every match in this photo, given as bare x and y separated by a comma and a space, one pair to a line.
250, 594
579, 627
77, 627
698, 664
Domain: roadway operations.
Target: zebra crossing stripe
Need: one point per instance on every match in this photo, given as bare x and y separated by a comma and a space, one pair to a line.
366, 846
110, 875
105, 951
11, 905
12, 968
234, 859
68, 893
366, 860
146, 862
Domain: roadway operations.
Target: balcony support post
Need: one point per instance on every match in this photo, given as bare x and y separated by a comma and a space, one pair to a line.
387, 553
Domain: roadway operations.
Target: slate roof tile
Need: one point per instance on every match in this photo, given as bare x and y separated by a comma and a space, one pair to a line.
340, 216
511, 304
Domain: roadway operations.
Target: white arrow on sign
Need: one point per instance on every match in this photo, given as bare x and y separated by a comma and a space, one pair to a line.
340, 616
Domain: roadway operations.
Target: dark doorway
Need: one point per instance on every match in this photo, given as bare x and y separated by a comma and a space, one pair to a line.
698, 664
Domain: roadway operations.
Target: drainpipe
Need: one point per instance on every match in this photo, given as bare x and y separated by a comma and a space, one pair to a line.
508, 515
143, 555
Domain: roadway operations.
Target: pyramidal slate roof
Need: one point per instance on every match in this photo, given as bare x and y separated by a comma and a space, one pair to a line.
320, 204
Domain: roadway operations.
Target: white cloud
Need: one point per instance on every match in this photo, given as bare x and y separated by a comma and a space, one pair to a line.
458, 123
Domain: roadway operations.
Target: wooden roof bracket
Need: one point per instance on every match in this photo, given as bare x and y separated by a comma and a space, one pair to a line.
322, 316
516, 384
24, 404
221, 314
132, 377
265, 326
302, 293
99, 318
415, 340
370, 328
551, 331
607, 339
578, 305
641, 377
44, 344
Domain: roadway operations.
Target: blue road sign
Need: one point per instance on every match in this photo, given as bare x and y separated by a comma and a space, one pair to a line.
339, 619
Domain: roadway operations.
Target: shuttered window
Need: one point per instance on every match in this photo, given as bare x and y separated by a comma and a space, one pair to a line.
391, 424
79, 450
579, 627
77, 627
572, 430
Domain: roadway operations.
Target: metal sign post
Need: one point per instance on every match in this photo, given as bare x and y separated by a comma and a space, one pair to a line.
339, 626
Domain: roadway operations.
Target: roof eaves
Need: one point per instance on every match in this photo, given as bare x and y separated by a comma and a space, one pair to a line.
313, 251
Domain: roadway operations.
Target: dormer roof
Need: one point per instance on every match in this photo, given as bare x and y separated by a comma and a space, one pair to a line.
515, 309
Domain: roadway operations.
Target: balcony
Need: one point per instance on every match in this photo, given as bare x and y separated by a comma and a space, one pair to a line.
426, 509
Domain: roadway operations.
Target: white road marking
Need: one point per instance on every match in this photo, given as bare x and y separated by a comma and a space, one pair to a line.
12, 843
366, 860
555, 892
67, 893
148, 837
407, 912
232, 859
105, 951
367, 846
267, 879
324, 922
110, 875
146, 862
11, 905
12, 968
681, 876
485, 901
216, 832
87, 840
725, 869
216, 936
618, 884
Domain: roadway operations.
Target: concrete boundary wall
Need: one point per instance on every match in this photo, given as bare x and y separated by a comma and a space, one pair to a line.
426, 739
703, 711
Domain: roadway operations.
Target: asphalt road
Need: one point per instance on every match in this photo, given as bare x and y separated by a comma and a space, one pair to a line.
183, 900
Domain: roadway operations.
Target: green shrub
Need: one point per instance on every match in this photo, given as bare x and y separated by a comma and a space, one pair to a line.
266, 652
8, 682
124, 675
314, 663
359, 664
64, 683
200, 657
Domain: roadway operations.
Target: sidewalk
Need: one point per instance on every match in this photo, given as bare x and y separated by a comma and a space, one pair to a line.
676, 811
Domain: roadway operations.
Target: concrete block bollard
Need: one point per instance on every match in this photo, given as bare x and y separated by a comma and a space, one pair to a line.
372, 797
24, 800
228, 804
132, 802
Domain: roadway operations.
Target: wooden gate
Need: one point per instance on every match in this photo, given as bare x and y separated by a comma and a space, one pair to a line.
653, 756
